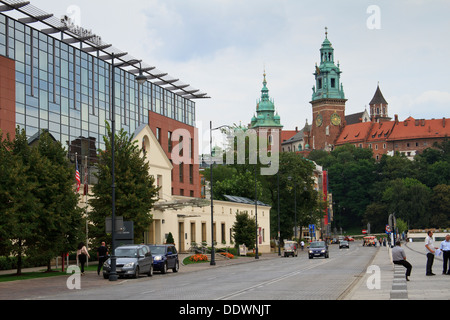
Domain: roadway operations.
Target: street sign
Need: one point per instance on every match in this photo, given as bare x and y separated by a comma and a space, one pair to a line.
364, 231
388, 229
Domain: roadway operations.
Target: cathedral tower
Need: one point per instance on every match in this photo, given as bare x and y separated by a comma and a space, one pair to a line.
328, 100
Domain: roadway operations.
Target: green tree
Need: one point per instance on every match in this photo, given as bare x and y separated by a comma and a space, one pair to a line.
244, 230
61, 224
19, 208
409, 199
440, 206
135, 188
351, 173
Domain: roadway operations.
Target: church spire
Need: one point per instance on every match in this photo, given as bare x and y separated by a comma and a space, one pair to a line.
265, 109
327, 74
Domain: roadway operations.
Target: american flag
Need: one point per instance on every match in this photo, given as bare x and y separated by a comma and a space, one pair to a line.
77, 176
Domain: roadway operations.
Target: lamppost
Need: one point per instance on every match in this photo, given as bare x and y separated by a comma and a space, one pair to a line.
213, 259
256, 214
295, 206
278, 194
140, 80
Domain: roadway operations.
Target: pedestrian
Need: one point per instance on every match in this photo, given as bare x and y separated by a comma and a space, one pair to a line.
399, 257
302, 243
82, 255
102, 255
445, 247
430, 250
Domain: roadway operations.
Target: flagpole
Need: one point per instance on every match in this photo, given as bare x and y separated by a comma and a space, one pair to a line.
85, 190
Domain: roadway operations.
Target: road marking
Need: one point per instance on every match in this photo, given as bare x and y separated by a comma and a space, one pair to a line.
269, 282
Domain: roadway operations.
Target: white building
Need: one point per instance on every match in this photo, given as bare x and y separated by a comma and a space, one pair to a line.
189, 219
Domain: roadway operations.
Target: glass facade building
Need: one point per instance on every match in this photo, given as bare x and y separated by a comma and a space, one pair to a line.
66, 90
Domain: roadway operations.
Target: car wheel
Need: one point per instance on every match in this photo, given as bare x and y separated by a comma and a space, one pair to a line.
136, 273
310, 257
164, 268
150, 271
176, 267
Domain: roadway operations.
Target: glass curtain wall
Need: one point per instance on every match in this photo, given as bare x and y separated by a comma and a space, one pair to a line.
67, 91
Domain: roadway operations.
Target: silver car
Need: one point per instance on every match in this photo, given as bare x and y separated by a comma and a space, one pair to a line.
131, 260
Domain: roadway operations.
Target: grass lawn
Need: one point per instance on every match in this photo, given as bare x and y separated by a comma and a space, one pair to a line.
39, 274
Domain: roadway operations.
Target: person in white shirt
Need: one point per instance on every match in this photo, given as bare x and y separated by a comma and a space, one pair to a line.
430, 253
445, 247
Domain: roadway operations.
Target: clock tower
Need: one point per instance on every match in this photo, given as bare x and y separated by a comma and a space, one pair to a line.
328, 100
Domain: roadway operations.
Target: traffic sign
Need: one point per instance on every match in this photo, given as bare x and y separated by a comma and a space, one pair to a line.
388, 228
364, 231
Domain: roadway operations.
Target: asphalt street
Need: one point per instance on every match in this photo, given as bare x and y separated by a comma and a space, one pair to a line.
269, 278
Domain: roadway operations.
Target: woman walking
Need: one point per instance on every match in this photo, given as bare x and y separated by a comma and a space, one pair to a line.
82, 255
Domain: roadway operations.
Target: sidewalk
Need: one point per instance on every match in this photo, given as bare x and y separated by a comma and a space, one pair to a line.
393, 285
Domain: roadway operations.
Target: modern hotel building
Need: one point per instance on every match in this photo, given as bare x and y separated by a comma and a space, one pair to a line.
57, 76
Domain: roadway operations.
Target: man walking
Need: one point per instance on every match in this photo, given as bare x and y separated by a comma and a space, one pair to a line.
445, 247
102, 255
399, 257
430, 250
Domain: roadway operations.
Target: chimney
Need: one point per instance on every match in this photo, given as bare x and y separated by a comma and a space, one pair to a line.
396, 118
296, 129
443, 122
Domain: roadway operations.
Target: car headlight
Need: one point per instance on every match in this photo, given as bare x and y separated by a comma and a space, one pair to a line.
129, 265
157, 258
310, 251
323, 251
106, 264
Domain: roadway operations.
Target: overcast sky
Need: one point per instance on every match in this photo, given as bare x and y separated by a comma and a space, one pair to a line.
223, 46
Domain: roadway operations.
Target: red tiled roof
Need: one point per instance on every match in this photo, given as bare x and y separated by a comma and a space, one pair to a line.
420, 129
287, 134
354, 133
381, 131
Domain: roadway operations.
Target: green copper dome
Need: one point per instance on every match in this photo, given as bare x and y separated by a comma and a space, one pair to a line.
327, 74
265, 110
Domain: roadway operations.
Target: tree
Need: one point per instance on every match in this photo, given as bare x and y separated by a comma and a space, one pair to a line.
398, 197
351, 173
19, 208
40, 217
244, 230
61, 224
135, 188
440, 206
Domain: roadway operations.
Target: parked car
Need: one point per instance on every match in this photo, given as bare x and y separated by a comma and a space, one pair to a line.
131, 260
318, 249
344, 244
165, 256
290, 249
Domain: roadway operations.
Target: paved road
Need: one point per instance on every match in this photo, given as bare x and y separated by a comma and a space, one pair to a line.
265, 279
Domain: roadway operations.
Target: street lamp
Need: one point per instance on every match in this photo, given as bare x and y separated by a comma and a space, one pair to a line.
256, 214
295, 206
140, 79
278, 194
213, 259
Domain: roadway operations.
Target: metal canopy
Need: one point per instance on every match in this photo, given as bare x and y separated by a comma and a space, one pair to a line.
92, 44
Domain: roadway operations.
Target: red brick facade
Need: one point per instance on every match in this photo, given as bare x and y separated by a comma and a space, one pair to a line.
185, 176
324, 132
7, 96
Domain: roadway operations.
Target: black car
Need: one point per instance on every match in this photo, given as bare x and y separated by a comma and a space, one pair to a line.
131, 260
318, 249
165, 256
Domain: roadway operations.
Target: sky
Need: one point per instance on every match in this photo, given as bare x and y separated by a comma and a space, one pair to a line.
223, 47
